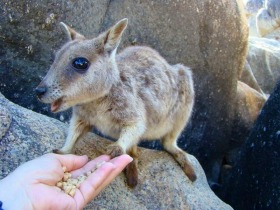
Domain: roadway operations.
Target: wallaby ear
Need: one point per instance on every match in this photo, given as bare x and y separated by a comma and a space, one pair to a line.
114, 34
71, 33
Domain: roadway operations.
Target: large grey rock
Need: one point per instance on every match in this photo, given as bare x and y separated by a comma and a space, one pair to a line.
263, 18
30, 35
209, 37
5, 121
264, 60
275, 34
162, 183
268, 18
252, 7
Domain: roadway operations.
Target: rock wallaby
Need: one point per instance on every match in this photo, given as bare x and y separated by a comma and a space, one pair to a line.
130, 96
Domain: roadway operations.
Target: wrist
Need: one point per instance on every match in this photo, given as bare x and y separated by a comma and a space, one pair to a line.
12, 195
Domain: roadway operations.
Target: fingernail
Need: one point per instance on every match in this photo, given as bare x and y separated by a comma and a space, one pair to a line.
130, 158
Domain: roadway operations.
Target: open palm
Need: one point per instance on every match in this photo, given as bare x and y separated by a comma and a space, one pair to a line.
34, 183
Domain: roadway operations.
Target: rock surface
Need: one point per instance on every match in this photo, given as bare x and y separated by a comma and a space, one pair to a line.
254, 182
264, 60
268, 18
263, 18
252, 7
162, 183
249, 104
209, 37
249, 78
5, 121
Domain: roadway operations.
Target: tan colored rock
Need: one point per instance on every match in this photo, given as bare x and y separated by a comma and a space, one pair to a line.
249, 104
162, 183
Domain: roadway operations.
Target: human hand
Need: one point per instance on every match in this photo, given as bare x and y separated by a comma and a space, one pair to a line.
33, 184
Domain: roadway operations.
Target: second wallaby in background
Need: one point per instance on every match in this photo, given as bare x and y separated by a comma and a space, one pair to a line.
129, 96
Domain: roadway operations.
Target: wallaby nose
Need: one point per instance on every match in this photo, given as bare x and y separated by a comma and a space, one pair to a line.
40, 91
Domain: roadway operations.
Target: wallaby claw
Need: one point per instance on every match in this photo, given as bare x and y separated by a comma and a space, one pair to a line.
114, 151
60, 152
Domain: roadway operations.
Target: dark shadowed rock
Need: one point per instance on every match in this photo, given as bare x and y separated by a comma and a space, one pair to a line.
210, 37
162, 183
29, 37
255, 179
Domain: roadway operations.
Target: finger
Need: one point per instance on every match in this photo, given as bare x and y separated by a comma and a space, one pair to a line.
120, 163
72, 162
122, 160
87, 189
90, 165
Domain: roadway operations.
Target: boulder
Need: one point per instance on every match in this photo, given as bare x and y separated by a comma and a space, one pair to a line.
268, 18
264, 60
249, 105
252, 7
249, 78
255, 177
209, 37
29, 37
263, 18
162, 183
275, 34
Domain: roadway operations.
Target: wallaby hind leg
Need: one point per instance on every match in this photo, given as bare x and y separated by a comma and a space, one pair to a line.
169, 143
131, 171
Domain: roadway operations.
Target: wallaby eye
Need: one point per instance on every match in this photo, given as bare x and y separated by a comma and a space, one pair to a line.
80, 63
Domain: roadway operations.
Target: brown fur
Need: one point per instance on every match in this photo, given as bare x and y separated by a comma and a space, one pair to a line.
130, 96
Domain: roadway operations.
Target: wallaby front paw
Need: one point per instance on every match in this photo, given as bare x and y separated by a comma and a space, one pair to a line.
60, 152
114, 150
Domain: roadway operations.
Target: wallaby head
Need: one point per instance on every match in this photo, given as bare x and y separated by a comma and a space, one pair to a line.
83, 69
